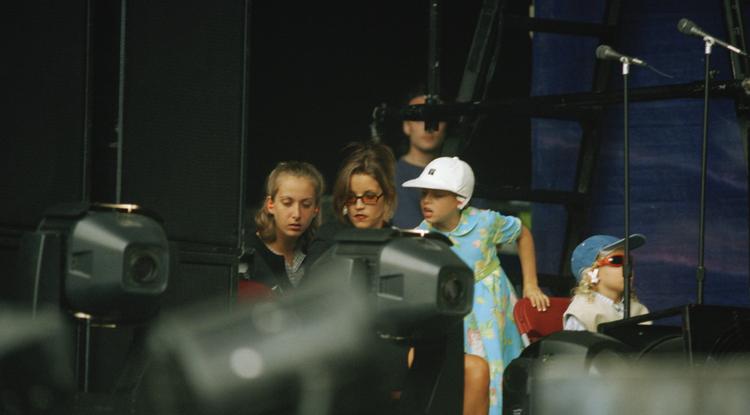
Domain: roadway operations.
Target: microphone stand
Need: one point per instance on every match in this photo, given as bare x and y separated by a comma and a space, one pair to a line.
701, 272
626, 267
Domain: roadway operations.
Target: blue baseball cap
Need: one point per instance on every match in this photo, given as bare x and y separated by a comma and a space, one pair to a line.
586, 252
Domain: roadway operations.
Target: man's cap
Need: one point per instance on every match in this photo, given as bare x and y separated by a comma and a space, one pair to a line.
447, 173
586, 252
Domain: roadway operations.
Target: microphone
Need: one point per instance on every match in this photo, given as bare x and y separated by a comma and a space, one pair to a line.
689, 28
605, 52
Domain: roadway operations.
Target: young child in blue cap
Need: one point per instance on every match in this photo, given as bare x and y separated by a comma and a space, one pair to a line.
597, 264
447, 184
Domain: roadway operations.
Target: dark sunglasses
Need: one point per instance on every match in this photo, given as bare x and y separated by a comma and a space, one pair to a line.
368, 198
616, 260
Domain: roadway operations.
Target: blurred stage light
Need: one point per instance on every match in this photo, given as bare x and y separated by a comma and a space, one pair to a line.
36, 363
307, 354
319, 351
415, 283
109, 263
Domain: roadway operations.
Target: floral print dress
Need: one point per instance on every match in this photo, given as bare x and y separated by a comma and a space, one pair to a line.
489, 330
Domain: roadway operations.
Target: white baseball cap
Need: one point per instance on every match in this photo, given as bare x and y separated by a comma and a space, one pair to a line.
447, 173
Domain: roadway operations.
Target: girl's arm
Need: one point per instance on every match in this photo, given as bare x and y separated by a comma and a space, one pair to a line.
527, 256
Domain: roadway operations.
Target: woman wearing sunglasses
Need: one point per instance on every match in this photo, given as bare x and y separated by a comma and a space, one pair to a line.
597, 263
364, 194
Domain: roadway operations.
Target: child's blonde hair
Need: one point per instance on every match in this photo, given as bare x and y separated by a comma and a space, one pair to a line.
264, 222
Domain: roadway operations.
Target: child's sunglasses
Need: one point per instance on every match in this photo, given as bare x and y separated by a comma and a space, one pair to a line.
616, 260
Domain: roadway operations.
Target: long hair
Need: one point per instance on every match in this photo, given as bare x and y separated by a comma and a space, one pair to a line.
373, 159
264, 222
585, 287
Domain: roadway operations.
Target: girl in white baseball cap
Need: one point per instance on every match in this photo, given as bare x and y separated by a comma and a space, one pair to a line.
447, 185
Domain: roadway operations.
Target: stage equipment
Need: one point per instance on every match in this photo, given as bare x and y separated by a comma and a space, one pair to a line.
107, 263
417, 285
582, 353
690, 28
418, 292
605, 52
36, 363
307, 353
706, 333
626, 267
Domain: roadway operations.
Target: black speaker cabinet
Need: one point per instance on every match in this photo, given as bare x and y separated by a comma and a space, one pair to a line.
705, 332
579, 352
183, 121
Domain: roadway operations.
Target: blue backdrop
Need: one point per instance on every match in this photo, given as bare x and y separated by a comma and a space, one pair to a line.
665, 141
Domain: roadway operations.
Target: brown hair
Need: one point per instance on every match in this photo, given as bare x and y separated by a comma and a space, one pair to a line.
264, 223
373, 159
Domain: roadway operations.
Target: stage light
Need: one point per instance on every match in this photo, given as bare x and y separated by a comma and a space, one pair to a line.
36, 370
418, 292
320, 350
305, 354
416, 284
108, 263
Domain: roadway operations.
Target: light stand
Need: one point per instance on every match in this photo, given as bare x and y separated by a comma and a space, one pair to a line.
83, 352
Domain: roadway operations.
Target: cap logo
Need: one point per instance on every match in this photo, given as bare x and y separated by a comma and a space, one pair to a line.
431, 172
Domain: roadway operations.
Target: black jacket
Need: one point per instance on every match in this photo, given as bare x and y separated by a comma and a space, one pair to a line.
265, 266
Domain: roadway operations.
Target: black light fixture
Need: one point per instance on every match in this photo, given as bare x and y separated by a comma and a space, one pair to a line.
308, 353
418, 292
417, 285
318, 351
104, 262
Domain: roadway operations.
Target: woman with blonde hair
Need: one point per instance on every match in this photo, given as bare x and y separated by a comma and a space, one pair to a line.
284, 227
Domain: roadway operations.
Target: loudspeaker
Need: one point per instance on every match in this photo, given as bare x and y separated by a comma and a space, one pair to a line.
43, 137
580, 352
706, 332
183, 122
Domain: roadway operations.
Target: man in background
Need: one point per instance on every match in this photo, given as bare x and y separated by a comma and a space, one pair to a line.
424, 146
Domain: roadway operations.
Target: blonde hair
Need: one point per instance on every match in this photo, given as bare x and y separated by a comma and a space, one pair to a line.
585, 288
373, 159
264, 222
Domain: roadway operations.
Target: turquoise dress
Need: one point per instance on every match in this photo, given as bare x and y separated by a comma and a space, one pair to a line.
489, 330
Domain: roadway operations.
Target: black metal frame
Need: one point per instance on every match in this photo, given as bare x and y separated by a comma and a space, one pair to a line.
585, 108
